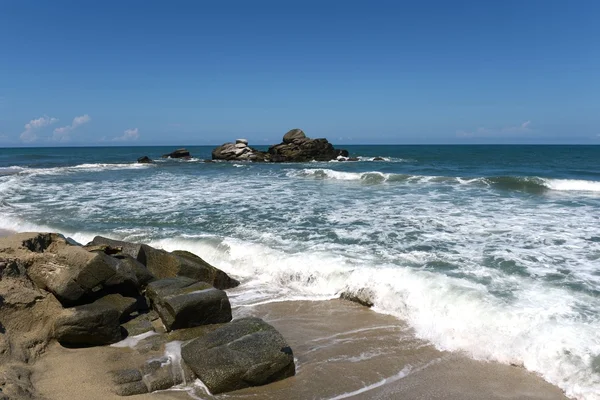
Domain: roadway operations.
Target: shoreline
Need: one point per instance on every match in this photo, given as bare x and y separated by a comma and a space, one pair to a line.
342, 350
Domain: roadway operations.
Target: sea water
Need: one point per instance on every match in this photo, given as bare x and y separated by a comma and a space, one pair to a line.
492, 251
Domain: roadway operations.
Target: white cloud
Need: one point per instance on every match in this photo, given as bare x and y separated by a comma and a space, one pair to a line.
62, 133
28, 135
505, 131
128, 134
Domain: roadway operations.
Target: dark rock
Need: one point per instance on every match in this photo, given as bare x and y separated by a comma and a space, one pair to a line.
88, 325
138, 325
131, 388
71, 273
184, 303
179, 153
162, 264
378, 159
132, 249
144, 160
295, 135
246, 352
160, 378
126, 376
362, 296
296, 147
207, 161
353, 159
124, 305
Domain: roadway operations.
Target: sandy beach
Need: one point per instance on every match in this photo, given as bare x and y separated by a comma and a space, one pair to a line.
342, 350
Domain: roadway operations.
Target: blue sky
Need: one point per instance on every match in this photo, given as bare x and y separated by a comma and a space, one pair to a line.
206, 72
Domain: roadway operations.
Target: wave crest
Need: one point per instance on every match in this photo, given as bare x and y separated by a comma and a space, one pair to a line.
529, 184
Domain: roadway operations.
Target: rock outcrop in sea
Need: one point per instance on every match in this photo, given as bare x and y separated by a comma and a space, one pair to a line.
179, 153
171, 307
295, 147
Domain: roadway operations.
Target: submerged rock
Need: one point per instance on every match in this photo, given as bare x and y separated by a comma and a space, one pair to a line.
361, 296
179, 153
246, 352
144, 160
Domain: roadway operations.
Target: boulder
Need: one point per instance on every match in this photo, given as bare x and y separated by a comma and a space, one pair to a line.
144, 160
238, 151
88, 325
124, 305
138, 325
243, 141
378, 159
246, 352
179, 153
297, 147
71, 273
185, 303
295, 135
362, 296
162, 264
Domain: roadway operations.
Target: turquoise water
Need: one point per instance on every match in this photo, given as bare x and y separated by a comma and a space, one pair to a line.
489, 250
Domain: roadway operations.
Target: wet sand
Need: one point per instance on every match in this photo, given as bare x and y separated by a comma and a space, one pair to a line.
342, 350
6, 232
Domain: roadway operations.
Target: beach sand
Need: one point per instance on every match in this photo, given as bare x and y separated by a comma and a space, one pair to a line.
342, 350
6, 232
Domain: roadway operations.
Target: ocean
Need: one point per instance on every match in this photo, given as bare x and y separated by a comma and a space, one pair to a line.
490, 251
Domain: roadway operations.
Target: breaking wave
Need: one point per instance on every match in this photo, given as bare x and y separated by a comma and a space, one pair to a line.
513, 183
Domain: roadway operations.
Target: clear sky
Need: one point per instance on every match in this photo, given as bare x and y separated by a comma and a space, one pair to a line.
206, 72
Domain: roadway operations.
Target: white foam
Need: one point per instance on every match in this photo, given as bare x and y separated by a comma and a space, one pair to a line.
402, 374
573, 185
132, 341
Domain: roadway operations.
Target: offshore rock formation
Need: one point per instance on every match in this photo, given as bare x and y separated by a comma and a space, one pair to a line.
239, 151
53, 289
179, 153
295, 147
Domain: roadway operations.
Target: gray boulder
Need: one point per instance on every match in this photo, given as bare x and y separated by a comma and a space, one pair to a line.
162, 264
124, 305
362, 296
247, 352
185, 303
239, 151
71, 272
88, 325
295, 135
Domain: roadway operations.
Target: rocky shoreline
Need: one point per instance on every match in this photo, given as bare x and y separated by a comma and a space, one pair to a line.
169, 307
51, 350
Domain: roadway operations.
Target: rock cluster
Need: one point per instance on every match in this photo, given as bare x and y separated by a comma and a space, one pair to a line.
238, 151
295, 147
52, 288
